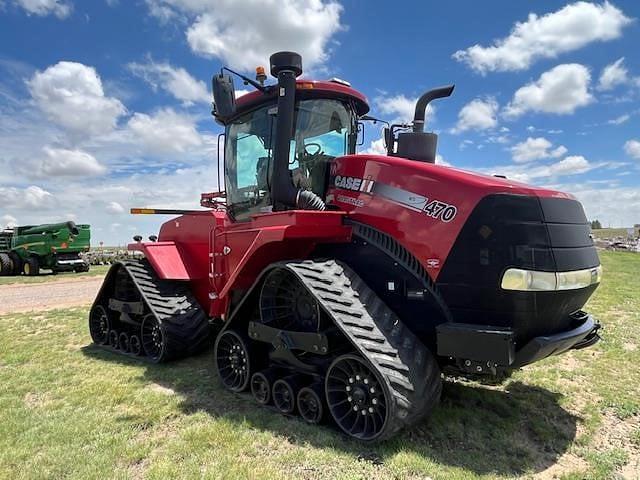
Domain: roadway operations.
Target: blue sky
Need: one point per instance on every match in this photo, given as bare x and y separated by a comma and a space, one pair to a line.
104, 105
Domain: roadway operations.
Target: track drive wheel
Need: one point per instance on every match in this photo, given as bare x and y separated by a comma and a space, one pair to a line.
232, 360
285, 303
99, 325
358, 400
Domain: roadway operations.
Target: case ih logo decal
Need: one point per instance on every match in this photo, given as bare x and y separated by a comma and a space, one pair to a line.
431, 207
433, 263
353, 183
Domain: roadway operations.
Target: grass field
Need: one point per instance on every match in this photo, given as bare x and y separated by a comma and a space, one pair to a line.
610, 232
46, 276
70, 410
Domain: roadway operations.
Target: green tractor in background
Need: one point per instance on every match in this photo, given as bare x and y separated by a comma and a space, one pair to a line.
57, 247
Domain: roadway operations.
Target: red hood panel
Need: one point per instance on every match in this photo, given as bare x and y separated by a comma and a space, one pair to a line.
421, 205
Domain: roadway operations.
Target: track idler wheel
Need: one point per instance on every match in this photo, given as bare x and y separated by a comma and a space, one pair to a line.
114, 341
284, 394
232, 360
261, 383
124, 342
357, 399
310, 404
135, 346
153, 338
99, 325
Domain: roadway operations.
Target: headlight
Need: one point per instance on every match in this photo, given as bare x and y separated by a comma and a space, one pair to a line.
531, 280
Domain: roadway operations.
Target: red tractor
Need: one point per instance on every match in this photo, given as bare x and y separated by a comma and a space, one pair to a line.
340, 285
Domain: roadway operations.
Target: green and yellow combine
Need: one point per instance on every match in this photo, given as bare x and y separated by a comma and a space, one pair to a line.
57, 247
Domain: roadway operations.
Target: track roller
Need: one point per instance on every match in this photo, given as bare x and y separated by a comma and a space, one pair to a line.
135, 346
123, 342
99, 325
114, 339
261, 386
284, 394
232, 360
310, 404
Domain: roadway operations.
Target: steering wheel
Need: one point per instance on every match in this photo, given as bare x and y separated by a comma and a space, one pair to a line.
318, 147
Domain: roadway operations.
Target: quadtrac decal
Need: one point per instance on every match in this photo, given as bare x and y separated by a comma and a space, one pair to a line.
433, 208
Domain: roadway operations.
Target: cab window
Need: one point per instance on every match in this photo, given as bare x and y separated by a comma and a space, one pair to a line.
248, 162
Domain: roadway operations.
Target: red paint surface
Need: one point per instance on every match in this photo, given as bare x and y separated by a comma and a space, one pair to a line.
425, 237
165, 258
319, 88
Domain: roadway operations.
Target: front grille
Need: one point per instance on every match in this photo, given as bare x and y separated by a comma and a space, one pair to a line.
513, 231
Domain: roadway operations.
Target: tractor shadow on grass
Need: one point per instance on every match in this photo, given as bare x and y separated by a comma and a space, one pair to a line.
483, 429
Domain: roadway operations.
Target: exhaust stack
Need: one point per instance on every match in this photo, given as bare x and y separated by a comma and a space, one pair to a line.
418, 144
286, 67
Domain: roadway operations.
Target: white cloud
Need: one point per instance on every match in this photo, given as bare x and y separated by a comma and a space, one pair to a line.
401, 108
376, 148
32, 197
571, 165
163, 13
613, 75
59, 8
615, 206
114, 208
632, 148
176, 81
619, 120
560, 90
535, 149
165, 131
8, 221
60, 162
71, 95
241, 91
479, 114
441, 161
565, 30
244, 34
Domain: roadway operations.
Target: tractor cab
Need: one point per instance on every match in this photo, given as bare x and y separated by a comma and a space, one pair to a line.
325, 128
320, 124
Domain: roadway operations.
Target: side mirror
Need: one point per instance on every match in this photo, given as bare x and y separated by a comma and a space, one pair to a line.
385, 136
224, 95
360, 135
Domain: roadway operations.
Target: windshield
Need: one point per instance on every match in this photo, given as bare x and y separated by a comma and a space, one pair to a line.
324, 130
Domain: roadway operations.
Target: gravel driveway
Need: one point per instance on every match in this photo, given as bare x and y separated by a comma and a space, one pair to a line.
49, 295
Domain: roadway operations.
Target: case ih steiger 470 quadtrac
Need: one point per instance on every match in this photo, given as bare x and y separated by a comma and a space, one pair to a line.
340, 285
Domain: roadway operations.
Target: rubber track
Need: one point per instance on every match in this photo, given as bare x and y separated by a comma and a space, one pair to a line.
407, 367
185, 324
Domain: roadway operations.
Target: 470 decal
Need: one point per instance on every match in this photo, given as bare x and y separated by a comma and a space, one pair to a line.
440, 210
